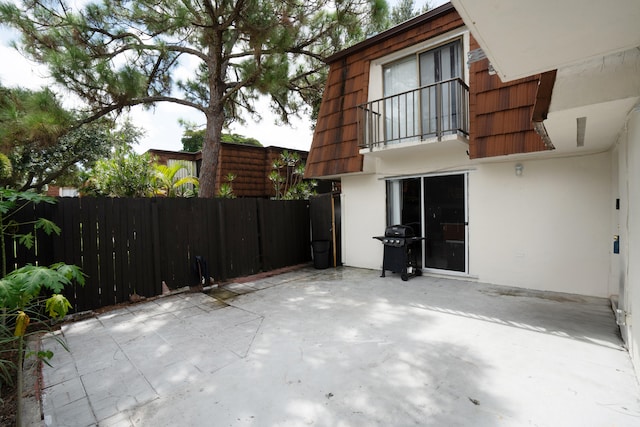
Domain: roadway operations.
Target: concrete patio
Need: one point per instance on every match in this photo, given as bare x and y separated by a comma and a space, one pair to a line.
345, 348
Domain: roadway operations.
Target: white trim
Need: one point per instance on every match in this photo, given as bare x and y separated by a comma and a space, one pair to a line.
449, 273
429, 44
446, 274
427, 175
466, 223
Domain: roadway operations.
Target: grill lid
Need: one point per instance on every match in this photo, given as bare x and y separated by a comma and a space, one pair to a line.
399, 231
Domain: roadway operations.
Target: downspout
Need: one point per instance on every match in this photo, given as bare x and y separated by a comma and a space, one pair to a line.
541, 106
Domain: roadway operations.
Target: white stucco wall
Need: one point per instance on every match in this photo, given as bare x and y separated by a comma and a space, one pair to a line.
363, 216
549, 229
629, 219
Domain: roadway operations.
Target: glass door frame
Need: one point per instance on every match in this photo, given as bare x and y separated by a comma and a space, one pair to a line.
393, 214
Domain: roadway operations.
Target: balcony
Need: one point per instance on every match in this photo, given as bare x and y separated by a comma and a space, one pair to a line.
430, 113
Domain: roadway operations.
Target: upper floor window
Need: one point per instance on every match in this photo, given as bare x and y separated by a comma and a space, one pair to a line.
434, 108
424, 96
432, 66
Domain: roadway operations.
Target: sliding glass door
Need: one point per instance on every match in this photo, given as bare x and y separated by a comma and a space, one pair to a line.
435, 206
401, 111
412, 113
445, 220
439, 102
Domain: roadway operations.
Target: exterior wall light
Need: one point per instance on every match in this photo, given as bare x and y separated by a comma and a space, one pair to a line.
519, 169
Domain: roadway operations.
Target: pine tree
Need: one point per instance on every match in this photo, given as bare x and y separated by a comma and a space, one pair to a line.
121, 53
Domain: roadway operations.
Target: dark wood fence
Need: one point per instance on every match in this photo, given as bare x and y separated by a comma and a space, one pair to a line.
128, 246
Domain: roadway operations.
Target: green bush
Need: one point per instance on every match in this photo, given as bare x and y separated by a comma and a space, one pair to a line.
21, 302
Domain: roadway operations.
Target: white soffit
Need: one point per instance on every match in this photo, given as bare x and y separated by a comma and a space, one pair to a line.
522, 38
603, 124
608, 78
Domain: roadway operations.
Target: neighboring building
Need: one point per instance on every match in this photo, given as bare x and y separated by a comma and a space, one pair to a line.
55, 191
523, 181
250, 164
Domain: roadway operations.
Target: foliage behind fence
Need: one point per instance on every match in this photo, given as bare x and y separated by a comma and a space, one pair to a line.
128, 246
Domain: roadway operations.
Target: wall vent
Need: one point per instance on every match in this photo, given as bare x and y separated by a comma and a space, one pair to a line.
476, 55
582, 127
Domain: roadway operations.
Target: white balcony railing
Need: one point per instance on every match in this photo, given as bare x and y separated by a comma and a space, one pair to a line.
428, 112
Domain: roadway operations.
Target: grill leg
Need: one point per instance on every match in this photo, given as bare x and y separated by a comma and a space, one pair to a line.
383, 273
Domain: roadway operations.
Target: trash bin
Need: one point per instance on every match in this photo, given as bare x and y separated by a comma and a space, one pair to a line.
321, 254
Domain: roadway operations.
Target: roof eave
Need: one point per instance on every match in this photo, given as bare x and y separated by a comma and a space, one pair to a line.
418, 20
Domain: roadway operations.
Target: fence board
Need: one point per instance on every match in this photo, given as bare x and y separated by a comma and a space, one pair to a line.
71, 237
139, 259
110, 275
42, 249
211, 219
144, 244
240, 238
13, 250
222, 241
88, 253
155, 241
105, 278
174, 241
120, 251
201, 237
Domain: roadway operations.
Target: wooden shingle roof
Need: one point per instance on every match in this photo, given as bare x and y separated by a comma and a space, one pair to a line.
500, 113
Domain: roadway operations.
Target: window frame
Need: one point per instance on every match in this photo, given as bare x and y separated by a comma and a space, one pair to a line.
376, 67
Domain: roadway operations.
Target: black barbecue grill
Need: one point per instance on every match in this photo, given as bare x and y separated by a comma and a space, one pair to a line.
399, 251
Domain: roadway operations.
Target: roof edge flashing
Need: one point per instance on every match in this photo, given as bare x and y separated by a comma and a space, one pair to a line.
377, 38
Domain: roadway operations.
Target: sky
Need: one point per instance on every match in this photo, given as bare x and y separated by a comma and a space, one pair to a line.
160, 123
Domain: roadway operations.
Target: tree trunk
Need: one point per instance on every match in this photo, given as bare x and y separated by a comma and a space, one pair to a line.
210, 156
